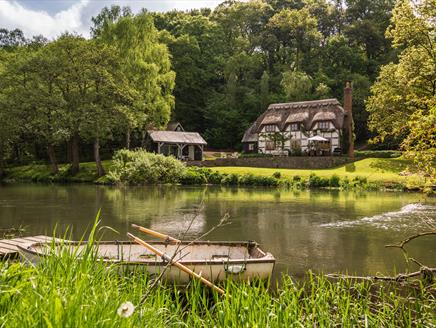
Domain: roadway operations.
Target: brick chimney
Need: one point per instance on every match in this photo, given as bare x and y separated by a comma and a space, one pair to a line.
349, 126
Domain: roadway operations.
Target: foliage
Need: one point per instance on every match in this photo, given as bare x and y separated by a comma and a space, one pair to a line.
196, 176
146, 63
138, 167
231, 62
254, 155
378, 153
420, 143
406, 87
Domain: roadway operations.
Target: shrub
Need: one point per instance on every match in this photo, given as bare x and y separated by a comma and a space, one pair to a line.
296, 178
230, 179
138, 167
214, 177
277, 175
253, 155
334, 181
378, 153
194, 176
345, 183
359, 181
316, 181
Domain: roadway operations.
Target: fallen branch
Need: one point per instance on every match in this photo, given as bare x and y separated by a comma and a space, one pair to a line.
401, 277
409, 239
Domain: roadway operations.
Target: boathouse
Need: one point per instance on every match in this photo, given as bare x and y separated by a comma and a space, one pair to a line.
175, 141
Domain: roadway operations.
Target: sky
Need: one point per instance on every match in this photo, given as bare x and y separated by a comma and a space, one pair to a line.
54, 17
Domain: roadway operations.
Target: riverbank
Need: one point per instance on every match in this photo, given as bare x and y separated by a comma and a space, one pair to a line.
368, 173
382, 171
63, 292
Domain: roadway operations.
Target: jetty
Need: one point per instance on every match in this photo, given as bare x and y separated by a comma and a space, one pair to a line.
8, 247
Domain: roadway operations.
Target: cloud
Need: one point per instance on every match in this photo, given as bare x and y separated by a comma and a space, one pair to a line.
34, 22
77, 16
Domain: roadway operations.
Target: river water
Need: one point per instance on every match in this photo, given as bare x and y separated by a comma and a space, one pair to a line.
323, 231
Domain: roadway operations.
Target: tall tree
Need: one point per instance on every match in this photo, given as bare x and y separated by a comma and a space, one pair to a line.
147, 64
410, 85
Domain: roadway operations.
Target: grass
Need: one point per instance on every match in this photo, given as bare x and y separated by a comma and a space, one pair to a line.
64, 292
381, 170
42, 173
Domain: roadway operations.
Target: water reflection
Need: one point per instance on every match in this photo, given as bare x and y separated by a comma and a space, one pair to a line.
323, 230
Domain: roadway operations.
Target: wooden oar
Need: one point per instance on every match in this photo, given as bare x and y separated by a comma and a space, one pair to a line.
156, 234
175, 263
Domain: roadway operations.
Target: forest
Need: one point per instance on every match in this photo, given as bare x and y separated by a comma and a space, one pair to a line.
74, 99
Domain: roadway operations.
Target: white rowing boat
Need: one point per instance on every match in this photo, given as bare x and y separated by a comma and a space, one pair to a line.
215, 261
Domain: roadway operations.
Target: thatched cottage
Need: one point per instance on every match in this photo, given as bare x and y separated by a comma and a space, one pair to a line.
317, 127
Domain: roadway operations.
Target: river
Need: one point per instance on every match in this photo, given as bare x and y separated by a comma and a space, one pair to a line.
323, 231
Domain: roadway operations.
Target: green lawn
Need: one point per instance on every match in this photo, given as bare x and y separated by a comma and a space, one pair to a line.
374, 169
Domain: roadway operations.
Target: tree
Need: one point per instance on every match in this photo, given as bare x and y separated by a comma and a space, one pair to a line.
409, 86
420, 143
297, 85
147, 66
297, 31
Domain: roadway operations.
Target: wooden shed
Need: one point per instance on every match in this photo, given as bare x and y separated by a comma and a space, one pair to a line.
180, 144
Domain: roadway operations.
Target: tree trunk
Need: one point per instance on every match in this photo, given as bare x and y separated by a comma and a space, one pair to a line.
69, 151
100, 169
143, 139
2, 163
52, 156
75, 159
128, 138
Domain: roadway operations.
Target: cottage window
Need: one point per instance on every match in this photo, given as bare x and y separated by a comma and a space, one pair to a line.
270, 145
270, 128
325, 125
295, 127
251, 147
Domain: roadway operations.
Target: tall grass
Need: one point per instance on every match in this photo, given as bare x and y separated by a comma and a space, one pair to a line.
63, 291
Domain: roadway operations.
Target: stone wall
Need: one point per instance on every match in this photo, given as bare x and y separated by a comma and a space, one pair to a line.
304, 162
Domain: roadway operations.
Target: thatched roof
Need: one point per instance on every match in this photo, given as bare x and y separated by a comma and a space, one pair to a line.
305, 112
177, 137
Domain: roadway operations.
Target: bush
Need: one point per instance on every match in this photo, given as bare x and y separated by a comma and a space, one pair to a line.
317, 182
253, 155
345, 183
277, 175
359, 182
230, 179
296, 178
138, 167
334, 181
194, 176
214, 177
378, 153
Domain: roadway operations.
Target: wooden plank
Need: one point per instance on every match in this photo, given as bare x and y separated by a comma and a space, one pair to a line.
9, 244
8, 247
18, 241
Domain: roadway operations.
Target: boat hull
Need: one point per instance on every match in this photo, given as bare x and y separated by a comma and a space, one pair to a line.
256, 264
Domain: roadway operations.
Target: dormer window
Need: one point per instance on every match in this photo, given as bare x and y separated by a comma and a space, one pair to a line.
324, 125
295, 127
270, 128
